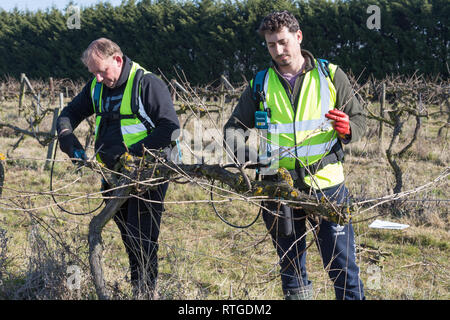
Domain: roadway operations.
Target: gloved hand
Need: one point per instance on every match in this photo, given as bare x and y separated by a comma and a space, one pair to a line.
69, 144
341, 123
125, 163
110, 155
126, 160
136, 149
79, 154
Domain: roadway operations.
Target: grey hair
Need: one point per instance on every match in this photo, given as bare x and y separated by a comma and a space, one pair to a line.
102, 47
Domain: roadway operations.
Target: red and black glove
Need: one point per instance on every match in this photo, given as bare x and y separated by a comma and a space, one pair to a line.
341, 123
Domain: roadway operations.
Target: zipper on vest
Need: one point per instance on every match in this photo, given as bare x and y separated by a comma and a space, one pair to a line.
291, 99
290, 94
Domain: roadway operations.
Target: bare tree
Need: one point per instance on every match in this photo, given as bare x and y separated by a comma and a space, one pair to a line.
408, 98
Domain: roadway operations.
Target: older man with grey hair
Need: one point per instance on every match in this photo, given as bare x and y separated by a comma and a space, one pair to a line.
133, 109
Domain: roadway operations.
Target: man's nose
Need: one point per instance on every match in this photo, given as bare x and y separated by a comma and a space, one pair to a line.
279, 49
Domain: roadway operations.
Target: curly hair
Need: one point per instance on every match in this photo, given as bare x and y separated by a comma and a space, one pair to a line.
275, 21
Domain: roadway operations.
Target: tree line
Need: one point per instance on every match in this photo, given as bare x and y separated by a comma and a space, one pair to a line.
204, 39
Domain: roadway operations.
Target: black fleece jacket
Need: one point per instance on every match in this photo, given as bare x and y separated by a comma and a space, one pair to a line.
157, 103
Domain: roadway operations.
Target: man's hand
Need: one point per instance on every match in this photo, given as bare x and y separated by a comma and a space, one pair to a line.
341, 123
70, 145
126, 160
81, 155
125, 163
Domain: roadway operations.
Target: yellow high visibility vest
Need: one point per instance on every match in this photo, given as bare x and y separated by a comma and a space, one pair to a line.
132, 128
302, 134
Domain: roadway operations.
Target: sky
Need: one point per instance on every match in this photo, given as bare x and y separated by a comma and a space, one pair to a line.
34, 5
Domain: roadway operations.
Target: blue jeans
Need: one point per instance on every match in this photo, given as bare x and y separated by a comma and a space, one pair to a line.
336, 245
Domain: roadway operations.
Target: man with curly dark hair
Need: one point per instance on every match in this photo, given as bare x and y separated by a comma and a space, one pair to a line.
306, 109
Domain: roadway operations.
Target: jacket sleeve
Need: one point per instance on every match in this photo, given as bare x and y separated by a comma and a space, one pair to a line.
241, 120
349, 103
159, 107
235, 131
76, 111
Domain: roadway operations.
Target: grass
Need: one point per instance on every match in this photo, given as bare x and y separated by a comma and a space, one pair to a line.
200, 257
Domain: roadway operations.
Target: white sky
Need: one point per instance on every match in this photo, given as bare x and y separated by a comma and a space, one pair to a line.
34, 5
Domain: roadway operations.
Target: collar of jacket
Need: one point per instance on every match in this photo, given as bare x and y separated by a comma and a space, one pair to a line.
127, 63
309, 62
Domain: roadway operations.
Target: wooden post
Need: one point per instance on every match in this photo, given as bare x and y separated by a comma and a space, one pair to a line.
28, 83
22, 91
25, 82
38, 110
227, 83
228, 86
52, 145
382, 107
51, 89
173, 90
222, 100
2, 92
38, 106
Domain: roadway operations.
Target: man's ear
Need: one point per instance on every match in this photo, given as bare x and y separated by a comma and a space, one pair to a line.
118, 59
299, 36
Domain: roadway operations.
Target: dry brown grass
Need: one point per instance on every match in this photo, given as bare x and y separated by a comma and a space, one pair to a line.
200, 256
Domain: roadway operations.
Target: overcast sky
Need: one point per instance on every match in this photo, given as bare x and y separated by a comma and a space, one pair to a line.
34, 5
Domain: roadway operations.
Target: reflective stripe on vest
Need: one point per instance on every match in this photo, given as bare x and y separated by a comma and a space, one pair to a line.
133, 130
304, 151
